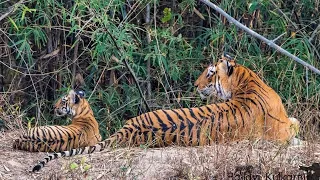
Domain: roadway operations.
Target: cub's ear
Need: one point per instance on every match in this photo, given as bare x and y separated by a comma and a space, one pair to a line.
74, 97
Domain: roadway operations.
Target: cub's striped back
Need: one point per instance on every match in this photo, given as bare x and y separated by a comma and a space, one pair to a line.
253, 111
83, 131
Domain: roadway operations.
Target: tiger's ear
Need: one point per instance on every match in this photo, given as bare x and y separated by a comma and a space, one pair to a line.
230, 67
229, 63
74, 97
226, 56
81, 93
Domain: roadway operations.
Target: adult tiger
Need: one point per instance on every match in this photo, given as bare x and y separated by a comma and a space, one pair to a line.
253, 110
83, 131
252, 102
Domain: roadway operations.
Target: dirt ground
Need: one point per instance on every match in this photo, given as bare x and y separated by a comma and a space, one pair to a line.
262, 159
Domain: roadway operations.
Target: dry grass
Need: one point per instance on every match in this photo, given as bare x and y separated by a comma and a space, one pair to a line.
211, 162
214, 162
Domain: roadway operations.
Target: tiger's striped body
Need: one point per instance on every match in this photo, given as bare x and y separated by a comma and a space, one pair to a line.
253, 111
83, 131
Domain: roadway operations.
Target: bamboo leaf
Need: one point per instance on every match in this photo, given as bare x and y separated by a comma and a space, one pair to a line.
13, 23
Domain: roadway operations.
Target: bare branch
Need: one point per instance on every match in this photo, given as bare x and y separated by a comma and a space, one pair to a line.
51, 54
276, 39
314, 33
147, 20
253, 33
10, 10
195, 10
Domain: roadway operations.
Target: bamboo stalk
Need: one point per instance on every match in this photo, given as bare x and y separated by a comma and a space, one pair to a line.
148, 42
74, 59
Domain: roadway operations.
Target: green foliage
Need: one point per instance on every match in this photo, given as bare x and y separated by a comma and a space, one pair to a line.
166, 15
180, 45
74, 166
82, 165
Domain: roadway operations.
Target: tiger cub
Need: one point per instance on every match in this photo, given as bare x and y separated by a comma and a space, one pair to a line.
82, 132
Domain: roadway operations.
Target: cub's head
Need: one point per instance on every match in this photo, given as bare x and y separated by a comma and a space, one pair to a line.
216, 79
68, 104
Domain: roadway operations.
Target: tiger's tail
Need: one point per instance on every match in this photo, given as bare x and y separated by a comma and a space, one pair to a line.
84, 150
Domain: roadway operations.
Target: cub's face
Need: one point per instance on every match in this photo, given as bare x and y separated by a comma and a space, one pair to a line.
215, 80
67, 104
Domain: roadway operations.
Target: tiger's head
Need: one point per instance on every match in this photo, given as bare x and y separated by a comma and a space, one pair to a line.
216, 79
68, 104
